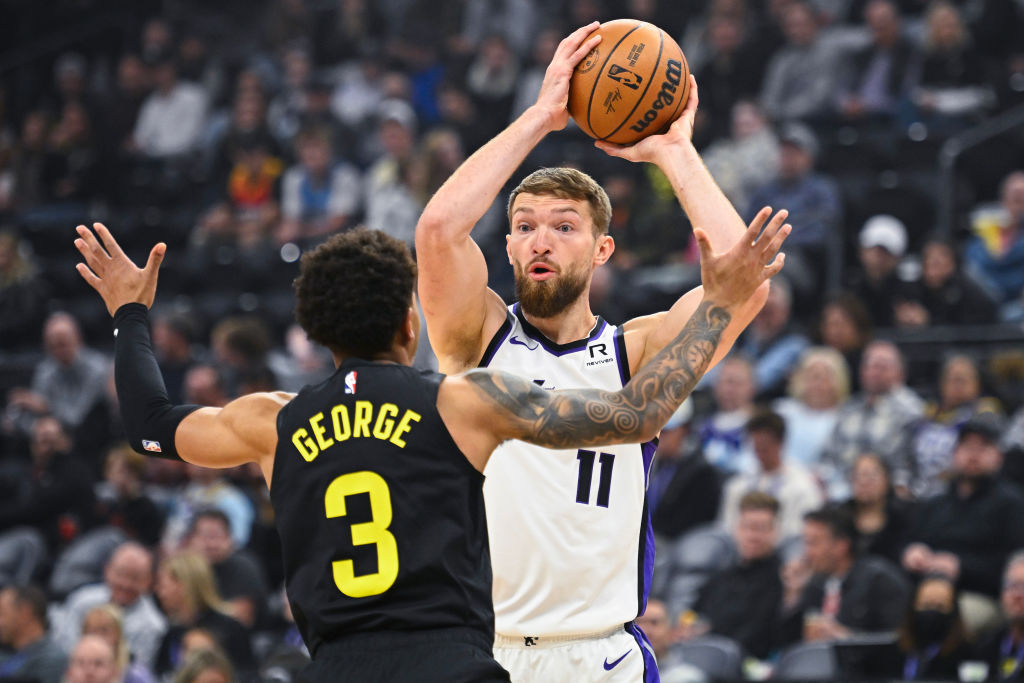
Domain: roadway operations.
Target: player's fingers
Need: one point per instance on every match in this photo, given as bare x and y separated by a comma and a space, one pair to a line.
612, 150
692, 99
88, 276
108, 240
95, 261
92, 243
772, 229
703, 243
773, 246
573, 40
775, 266
754, 229
584, 49
156, 257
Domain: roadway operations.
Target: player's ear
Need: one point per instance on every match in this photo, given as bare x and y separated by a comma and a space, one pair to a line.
603, 249
508, 247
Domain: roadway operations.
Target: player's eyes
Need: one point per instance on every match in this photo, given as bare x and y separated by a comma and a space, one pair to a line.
523, 227
565, 227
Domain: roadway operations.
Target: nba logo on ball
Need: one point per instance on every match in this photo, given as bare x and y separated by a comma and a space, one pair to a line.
350, 382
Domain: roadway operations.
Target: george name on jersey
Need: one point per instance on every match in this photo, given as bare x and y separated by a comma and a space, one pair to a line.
363, 421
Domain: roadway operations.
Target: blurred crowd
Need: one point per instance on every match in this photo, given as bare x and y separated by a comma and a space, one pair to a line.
853, 468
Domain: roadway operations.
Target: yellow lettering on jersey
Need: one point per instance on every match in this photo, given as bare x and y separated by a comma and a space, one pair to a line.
382, 428
403, 427
342, 429
361, 422
304, 445
319, 430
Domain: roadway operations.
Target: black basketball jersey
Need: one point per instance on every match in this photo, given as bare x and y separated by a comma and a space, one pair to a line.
380, 514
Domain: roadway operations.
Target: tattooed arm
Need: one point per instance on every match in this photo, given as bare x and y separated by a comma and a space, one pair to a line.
483, 408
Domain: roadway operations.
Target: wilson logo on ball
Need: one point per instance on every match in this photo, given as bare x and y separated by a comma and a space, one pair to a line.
666, 96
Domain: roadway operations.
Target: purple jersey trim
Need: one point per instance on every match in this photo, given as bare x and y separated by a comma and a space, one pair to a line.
651, 674
551, 347
645, 560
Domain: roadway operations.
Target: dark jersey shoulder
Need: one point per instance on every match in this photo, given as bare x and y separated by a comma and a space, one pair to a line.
381, 516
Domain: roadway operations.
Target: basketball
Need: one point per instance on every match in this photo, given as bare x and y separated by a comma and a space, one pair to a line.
633, 84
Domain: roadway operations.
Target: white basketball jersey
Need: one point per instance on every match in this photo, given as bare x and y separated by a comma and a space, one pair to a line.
571, 544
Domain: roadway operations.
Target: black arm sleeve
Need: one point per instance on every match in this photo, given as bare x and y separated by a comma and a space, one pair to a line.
150, 419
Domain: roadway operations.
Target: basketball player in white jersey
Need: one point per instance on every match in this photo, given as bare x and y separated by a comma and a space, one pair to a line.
571, 546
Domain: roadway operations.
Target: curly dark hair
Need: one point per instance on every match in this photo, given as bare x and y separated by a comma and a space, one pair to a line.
353, 292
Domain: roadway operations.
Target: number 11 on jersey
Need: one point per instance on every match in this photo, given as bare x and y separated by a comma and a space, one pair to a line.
586, 476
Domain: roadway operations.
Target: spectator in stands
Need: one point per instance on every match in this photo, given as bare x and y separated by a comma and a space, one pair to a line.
730, 74
845, 326
746, 160
799, 80
883, 241
882, 518
205, 666
187, 594
68, 382
240, 582
1003, 649
53, 493
209, 488
875, 78
172, 117
173, 337
818, 386
944, 295
933, 639
121, 501
544, 45
966, 533
996, 255
28, 162
722, 435
658, 627
878, 419
94, 660
127, 584
390, 203
742, 602
951, 86
839, 593
491, 80
73, 160
22, 294
107, 622
300, 362
935, 435
812, 200
772, 341
319, 195
791, 484
684, 490
31, 653
204, 385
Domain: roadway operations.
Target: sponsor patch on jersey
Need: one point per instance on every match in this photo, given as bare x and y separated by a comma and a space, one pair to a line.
350, 382
153, 446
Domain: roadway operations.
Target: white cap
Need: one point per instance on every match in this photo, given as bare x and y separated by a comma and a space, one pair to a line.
682, 416
884, 231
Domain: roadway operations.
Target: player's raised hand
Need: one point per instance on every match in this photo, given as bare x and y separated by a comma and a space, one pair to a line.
731, 278
553, 98
111, 273
648, 149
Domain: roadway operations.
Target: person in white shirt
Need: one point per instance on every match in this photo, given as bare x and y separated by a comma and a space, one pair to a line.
172, 117
790, 483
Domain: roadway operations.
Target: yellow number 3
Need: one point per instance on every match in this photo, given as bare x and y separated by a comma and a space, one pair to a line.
375, 531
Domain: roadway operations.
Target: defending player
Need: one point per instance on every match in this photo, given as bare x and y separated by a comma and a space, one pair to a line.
571, 547
375, 474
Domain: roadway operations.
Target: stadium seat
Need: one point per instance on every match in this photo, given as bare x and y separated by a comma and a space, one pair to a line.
694, 558
84, 560
22, 551
807, 662
719, 657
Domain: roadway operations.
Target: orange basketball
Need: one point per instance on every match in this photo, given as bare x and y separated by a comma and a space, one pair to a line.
633, 84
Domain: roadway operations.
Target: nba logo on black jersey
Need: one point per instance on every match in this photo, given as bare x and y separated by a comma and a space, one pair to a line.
350, 382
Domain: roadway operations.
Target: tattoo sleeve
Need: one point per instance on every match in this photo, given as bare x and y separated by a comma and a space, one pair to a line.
591, 417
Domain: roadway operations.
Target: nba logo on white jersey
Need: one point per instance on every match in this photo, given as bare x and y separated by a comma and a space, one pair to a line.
350, 382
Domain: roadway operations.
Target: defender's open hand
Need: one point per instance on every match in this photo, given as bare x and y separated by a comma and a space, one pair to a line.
730, 279
111, 273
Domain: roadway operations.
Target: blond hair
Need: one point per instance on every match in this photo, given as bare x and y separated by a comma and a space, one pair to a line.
116, 617
833, 360
193, 571
568, 183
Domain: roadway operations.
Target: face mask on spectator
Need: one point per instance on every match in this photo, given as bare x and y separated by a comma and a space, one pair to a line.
931, 626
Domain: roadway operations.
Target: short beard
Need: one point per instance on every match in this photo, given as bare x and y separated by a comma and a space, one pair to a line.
548, 298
